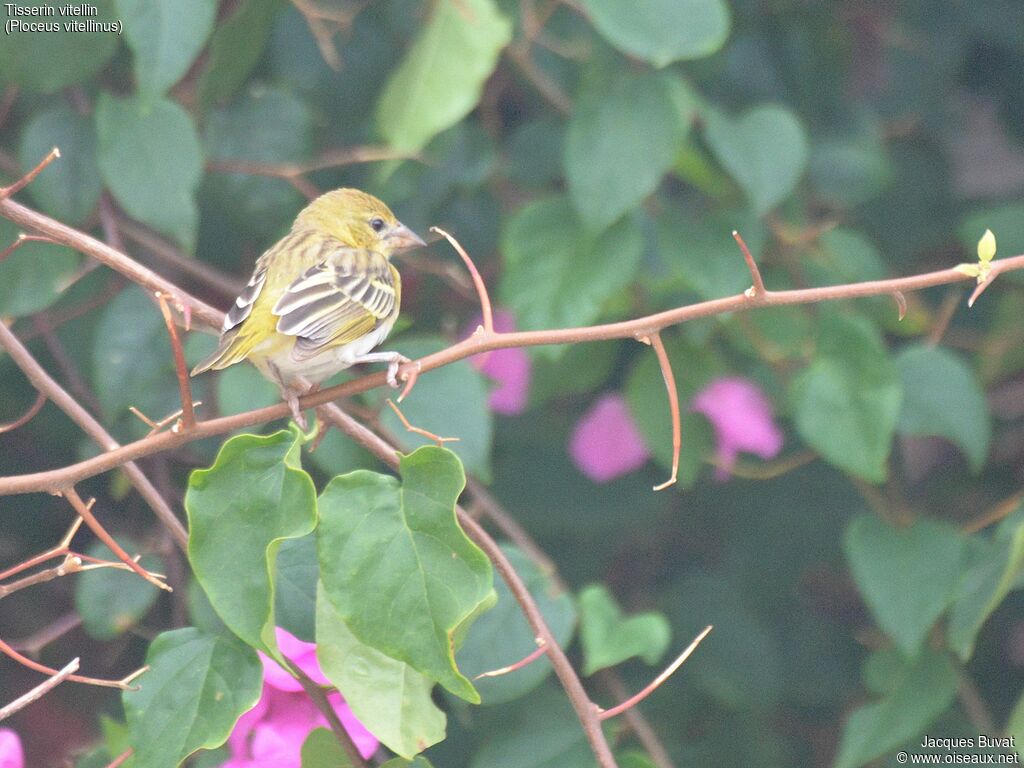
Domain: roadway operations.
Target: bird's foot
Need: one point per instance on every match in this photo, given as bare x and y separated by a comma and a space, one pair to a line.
393, 365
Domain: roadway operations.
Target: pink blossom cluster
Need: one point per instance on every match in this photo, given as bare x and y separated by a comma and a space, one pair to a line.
606, 443
270, 735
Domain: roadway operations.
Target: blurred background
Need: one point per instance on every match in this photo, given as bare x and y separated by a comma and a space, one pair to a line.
847, 515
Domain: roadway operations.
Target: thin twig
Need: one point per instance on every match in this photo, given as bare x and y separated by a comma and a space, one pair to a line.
985, 283
333, 158
653, 685
27, 416
86, 514
21, 239
481, 287
995, 514
45, 383
124, 683
901, 304
531, 657
63, 547
120, 760
319, 697
188, 414
419, 430
673, 405
40, 690
637, 722
25, 180
758, 288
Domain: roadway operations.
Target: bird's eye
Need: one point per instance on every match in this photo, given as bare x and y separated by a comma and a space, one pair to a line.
377, 224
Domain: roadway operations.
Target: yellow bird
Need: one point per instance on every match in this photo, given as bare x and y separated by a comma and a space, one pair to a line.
321, 297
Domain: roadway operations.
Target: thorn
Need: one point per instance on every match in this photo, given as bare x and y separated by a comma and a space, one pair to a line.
901, 303
532, 657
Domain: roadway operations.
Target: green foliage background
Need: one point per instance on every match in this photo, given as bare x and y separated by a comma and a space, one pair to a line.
594, 157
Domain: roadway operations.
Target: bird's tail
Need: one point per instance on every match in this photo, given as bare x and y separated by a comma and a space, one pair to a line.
232, 348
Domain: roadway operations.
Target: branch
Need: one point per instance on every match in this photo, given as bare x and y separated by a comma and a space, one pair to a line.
124, 683
673, 404
90, 246
43, 382
478, 282
85, 512
188, 414
653, 685
758, 288
26, 417
25, 180
40, 690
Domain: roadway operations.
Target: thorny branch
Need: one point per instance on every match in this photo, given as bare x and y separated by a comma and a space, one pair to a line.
62, 480
40, 690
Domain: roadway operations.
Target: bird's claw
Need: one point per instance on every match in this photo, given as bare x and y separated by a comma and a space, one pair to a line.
393, 367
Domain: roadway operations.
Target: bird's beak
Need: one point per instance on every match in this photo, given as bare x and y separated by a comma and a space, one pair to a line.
404, 238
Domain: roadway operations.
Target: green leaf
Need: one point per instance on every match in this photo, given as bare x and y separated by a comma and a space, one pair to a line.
765, 151
49, 61
450, 401
621, 139
439, 80
662, 31
986, 581
150, 157
266, 125
609, 637
397, 566
111, 600
921, 691
850, 170
197, 688
322, 750
634, 760
556, 275
131, 358
502, 636
847, 401
33, 276
295, 597
165, 37
235, 48
390, 698
942, 397
70, 186
907, 576
239, 511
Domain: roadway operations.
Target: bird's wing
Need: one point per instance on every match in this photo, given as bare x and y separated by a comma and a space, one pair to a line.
337, 301
242, 307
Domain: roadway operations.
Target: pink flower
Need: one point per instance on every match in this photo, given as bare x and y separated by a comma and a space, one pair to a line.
304, 656
742, 418
510, 368
605, 443
270, 735
11, 754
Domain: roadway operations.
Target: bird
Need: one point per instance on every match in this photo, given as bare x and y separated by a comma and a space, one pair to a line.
321, 298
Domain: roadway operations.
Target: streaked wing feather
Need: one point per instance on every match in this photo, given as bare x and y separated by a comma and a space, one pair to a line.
242, 307
335, 302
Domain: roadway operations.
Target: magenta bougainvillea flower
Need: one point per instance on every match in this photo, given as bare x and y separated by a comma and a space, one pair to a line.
270, 735
509, 368
11, 753
742, 417
605, 443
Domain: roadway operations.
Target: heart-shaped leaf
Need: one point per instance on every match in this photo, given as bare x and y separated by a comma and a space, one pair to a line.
254, 496
765, 151
198, 686
919, 692
397, 567
907, 576
609, 637
390, 698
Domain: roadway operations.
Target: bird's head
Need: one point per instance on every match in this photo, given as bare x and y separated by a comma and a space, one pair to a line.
360, 220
